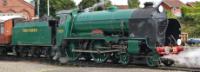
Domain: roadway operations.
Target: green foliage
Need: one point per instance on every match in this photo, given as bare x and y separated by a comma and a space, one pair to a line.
55, 5
133, 3
89, 3
170, 15
109, 4
197, 4
191, 20
62, 4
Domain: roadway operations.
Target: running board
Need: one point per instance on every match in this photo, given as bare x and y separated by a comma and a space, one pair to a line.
94, 51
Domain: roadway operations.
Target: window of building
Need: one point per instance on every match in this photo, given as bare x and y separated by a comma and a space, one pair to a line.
4, 2
1, 28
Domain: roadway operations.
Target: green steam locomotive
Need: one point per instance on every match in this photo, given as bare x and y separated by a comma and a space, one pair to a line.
122, 36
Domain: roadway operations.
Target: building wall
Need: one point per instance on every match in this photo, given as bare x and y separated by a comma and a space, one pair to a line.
122, 6
17, 6
166, 6
175, 10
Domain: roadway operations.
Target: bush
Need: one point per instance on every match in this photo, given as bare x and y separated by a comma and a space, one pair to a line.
191, 20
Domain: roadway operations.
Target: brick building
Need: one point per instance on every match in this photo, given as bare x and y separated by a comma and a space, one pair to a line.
122, 6
190, 4
20, 7
174, 6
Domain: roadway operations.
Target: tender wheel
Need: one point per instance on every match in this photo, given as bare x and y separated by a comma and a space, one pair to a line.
72, 55
98, 46
124, 58
3, 51
22, 52
168, 62
36, 52
47, 52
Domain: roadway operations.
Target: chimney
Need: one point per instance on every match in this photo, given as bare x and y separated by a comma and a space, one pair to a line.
148, 4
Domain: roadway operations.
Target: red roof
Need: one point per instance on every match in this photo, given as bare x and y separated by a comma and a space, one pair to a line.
190, 4
122, 6
173, 3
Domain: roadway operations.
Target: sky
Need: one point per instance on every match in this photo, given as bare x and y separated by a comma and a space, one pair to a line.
124, 2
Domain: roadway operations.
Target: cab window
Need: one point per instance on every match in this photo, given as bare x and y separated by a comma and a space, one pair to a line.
62, 19
1, 28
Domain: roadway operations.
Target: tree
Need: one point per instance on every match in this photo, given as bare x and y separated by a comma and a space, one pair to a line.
89, 3
86, 3
55, 5
191, 20
133, 3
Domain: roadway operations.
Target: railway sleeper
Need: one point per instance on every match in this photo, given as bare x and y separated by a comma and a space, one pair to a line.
140, 60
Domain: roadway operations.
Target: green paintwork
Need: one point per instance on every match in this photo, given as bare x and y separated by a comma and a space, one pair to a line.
32, 33
153, 59
133, 46
108, 21
64, 29
124, 58
98, 57
73, 56
79, 26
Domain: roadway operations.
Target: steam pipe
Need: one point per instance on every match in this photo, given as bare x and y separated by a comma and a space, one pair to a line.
101, 3
38, 8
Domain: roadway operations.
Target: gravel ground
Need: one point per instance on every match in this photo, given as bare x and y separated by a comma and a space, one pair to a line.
27, 66
24, 66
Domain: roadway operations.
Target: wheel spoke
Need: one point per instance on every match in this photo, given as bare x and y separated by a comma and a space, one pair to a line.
98, 57
72, 55
124, 58
153, 60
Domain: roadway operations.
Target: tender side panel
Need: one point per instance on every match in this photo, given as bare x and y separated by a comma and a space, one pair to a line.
32, 33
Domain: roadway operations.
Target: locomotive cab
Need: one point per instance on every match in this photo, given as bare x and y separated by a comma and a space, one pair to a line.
53, 24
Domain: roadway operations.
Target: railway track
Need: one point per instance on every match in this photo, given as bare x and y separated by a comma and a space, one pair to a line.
180, 69
111, 65
92, 64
